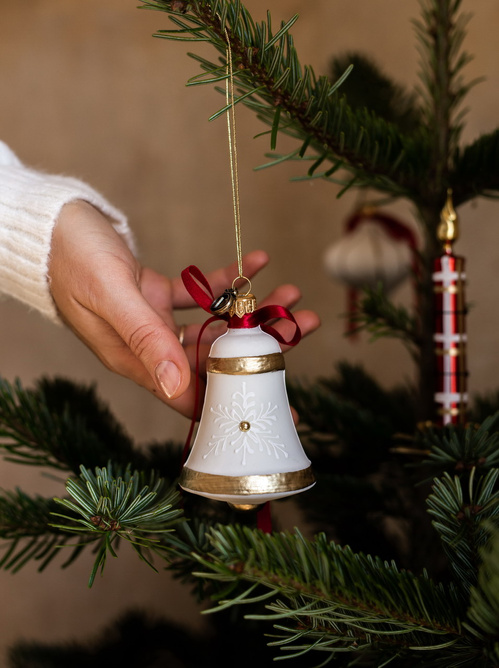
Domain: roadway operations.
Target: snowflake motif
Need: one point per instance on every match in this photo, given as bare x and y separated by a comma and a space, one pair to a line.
245, 428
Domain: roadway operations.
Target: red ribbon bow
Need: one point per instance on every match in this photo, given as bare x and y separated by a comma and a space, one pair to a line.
194, 281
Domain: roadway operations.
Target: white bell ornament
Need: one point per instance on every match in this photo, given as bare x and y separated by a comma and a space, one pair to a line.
246, 451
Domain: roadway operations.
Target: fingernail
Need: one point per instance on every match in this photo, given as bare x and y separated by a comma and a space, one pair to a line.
168, 377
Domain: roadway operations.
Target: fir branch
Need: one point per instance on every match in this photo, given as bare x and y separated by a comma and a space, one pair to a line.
24, 528
142, 639
61, 425
352, 410
380, 317
458, 449
369, 87
271, 81
460, 509
111, 504
411, 153
440, 32
476, 169
483, 612
25, 422
483, 405
345, 601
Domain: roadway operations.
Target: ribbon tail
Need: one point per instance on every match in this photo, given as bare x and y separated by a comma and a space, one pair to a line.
264, 518
262, 315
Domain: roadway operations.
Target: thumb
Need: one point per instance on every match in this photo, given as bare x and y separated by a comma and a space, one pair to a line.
152, 343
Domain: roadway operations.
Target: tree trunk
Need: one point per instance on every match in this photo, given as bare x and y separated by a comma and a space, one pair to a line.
427, 369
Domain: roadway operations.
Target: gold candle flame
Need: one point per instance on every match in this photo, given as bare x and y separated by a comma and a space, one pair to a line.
448, 229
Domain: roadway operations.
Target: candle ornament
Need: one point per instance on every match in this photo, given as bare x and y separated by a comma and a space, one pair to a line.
450, 336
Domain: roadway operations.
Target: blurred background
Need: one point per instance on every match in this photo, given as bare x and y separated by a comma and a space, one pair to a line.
87, 91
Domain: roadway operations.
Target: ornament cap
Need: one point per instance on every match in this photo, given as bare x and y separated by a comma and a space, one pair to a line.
448, 229
243, 304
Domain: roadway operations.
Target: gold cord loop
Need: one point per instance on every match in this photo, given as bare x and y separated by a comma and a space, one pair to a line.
242, 278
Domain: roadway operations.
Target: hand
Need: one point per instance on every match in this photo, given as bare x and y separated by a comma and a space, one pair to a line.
124, 312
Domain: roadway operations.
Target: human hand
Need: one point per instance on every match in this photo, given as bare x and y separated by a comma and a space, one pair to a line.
125, 312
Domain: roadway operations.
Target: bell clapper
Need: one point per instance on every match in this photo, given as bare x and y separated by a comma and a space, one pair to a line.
245, 507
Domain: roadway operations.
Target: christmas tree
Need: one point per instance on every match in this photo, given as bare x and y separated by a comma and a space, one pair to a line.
402, 571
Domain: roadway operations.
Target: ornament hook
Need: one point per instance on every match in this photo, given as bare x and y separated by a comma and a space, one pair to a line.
242, 278
225, 302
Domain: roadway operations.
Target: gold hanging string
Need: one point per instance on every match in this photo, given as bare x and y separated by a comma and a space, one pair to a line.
231, 133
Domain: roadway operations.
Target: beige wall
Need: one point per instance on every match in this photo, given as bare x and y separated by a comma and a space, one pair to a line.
86, 91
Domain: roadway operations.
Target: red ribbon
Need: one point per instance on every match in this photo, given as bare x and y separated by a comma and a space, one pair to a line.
200, 290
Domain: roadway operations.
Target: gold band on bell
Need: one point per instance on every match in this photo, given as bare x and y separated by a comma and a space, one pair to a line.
272, 483
242, 366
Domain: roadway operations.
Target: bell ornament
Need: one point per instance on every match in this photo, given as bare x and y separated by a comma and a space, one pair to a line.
246, 451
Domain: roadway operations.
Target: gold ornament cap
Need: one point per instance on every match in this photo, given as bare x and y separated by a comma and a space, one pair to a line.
243, 304
448, 229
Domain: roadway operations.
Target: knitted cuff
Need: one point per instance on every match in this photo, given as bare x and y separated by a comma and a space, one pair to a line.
30, 203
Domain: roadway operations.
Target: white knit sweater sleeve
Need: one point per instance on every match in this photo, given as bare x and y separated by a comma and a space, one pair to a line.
30, 202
